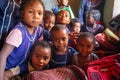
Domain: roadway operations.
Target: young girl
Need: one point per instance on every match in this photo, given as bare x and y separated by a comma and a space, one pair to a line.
39, 58
85, 46
49, 20
22, 37
63, 5
62, 54
91, 24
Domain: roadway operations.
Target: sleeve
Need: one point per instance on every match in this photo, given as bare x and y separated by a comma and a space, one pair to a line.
81, 11
74, 51
3, 2
14, 38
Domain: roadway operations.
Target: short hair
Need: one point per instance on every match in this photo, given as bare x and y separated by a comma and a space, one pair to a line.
96, 14
48, 14
57, 27
41, 43
86, 34
73, 21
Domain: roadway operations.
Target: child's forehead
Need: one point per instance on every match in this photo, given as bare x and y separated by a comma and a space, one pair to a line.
64, 12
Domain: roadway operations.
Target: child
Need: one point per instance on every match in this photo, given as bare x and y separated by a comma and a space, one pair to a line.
21, 38
91, 25
85, 46
40, 55
62, 54
49, 20
74, 27
9, 17
63, 5
63, 18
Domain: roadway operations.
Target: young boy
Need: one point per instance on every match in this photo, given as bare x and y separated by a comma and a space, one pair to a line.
85, 46
63, 5
62, 54
39, 58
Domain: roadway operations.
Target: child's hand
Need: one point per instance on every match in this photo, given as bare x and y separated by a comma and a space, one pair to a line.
74, 35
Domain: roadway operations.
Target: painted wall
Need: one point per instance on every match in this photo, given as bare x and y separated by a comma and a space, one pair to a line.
108, 9
75, 5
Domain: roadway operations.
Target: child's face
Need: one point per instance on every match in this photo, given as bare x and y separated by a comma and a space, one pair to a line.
77, 27
90, 19
85, 46
63, 2
49, 22
63, 17
33, 14
60, 40
40, 57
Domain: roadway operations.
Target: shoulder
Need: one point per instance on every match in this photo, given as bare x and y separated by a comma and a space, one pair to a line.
71, 50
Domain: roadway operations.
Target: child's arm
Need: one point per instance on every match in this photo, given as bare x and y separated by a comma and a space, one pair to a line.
4, 53
75, 59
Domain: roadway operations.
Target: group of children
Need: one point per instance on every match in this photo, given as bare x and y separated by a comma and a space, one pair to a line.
40, 40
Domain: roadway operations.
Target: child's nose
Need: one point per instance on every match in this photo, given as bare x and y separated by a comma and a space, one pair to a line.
60, 41
36, 15
41, 61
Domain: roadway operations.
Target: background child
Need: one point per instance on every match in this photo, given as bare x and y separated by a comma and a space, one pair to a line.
85, 46
39, 58
91, 24
63, 5
49, 20
9, 17
74, 27
62, 54
21, 38
48, 23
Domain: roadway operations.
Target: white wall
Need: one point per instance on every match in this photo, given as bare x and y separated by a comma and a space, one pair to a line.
116, 8
49, 4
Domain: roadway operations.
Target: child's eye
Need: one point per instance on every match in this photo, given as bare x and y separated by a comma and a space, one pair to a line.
37, 56
46, 58
66, 15
63, 39
89, 46
39, 13
30, 11
56, 40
